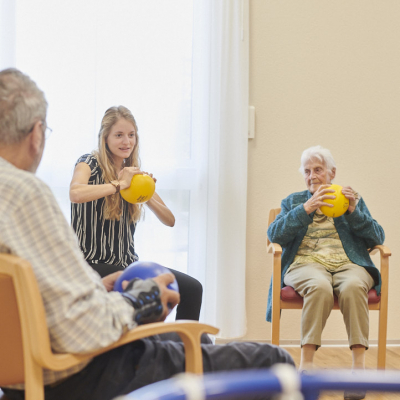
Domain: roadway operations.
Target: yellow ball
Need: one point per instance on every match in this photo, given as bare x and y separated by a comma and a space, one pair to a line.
340, 204
141, 190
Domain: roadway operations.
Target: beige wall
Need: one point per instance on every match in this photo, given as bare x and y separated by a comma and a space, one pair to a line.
328, 73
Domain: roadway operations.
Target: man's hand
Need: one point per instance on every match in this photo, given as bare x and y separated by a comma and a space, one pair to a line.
109, 280
150, 312
169, 298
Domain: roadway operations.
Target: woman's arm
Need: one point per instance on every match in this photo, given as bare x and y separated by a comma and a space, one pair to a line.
288, 223
162, 212
364, 226
297, 212
81, 192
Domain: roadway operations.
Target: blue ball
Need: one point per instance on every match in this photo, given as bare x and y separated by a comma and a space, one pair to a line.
143, 270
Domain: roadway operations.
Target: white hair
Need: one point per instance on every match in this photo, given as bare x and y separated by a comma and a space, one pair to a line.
319, 153
22, 104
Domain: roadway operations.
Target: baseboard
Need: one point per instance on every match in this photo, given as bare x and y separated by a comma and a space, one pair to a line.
289, 342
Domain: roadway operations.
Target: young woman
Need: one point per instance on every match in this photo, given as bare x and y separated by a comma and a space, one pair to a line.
104, 222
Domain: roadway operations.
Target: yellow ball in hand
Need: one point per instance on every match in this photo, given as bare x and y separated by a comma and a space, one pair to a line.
340, 204
141, 190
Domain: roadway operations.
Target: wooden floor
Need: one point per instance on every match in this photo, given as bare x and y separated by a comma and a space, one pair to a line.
340, 358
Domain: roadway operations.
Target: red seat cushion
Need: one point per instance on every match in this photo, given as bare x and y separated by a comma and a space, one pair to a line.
289, 294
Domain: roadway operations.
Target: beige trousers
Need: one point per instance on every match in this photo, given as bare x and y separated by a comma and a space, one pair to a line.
350, 283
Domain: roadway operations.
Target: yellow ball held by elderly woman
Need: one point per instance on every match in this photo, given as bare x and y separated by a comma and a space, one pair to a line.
340, 203
141, 190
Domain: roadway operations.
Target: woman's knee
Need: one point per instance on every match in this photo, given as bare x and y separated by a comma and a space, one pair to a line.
193, 287
320, 289
353, 288
188, 285
191, 291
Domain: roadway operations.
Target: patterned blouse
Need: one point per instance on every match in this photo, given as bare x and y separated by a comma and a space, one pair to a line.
102, 240
322, 244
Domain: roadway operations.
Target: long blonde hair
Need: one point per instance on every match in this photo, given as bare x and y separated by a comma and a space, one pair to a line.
112, 206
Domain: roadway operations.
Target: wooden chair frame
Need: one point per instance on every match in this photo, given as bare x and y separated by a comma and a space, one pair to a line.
25, 348
278, 304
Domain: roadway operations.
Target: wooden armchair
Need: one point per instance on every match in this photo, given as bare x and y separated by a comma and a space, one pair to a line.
288, 298
24, 338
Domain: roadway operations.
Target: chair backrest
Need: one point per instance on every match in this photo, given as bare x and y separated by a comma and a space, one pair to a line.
23, 328
272, 215
11, 353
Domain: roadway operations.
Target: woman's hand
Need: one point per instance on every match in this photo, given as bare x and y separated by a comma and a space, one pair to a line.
350, 195
151, 176
126, 174
316, 201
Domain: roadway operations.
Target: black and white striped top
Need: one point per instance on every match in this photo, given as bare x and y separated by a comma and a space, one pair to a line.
102, 240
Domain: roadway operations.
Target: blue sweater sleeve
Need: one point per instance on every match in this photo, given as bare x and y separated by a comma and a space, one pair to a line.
364, 226
289, 222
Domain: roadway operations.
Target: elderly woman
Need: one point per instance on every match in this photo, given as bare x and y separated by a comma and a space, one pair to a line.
323, 256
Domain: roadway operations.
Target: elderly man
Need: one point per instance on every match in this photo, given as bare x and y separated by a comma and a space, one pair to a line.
323, 256
82, 312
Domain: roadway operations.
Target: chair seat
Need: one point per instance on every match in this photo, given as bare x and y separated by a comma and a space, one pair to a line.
289, 294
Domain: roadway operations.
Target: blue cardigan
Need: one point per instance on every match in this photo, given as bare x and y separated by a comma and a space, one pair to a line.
358, 232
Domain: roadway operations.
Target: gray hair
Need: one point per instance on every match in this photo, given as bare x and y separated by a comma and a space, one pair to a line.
319, 153
22, 104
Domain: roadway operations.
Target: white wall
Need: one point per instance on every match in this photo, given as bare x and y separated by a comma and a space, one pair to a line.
328, 73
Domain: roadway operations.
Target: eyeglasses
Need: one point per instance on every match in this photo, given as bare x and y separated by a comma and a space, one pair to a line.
47, 131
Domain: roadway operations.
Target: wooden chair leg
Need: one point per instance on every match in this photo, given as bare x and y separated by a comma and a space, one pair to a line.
276, 297
382, 342
383, 309
382, 335
275, 326
276, 300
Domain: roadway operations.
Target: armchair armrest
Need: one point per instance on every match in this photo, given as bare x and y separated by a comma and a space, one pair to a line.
274, 248
189, 331
384, 250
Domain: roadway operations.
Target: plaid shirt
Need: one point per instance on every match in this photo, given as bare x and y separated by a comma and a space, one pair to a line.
81, 315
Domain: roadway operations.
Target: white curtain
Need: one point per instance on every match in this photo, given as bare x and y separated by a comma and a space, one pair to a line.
182, 67
7, 34
220, 119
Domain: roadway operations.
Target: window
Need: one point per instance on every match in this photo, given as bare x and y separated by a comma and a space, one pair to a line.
185, 79
88, 56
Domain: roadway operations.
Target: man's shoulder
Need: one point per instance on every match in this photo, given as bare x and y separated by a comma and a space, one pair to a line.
14, 180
